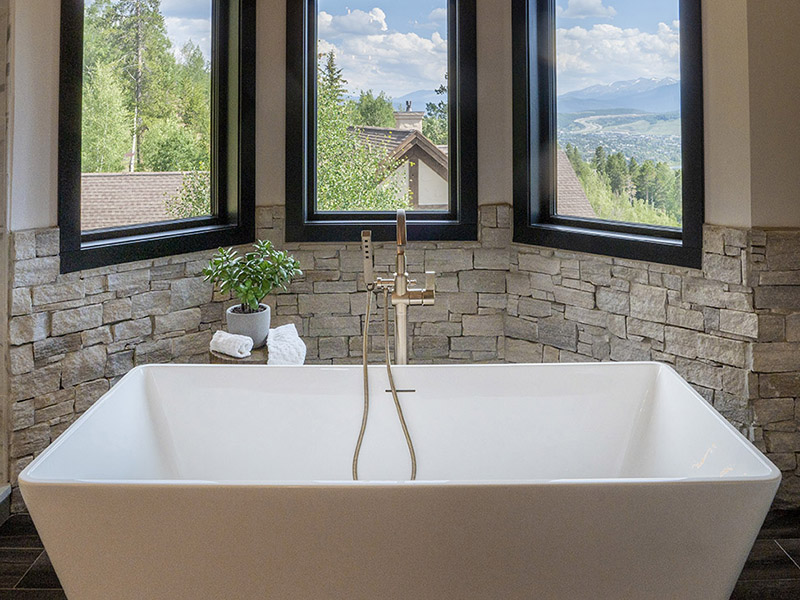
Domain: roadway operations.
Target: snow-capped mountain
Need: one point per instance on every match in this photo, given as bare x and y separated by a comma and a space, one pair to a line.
645, 94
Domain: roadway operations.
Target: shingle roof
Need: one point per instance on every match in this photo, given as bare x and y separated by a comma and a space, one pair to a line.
572, 200
118, 199
384, 137
397, 142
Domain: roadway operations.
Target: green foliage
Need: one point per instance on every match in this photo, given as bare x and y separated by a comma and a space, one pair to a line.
351, 173
194, 197
106, 123
250, 278
434, 124
373, 111
628, 192
166, 101
171, 146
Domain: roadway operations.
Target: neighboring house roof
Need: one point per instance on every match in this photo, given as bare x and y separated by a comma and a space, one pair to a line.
572, 200
398, 143
118, 199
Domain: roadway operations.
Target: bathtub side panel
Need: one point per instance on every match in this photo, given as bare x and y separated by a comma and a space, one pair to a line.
549, 542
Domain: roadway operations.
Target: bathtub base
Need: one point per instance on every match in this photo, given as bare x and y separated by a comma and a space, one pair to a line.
471, 543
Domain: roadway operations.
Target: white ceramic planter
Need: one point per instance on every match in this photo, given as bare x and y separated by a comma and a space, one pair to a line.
253, 325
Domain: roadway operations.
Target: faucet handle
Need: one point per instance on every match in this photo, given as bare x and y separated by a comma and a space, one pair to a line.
429, 293
430, 280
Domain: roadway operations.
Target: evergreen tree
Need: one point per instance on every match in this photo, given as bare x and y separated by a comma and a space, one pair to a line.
599, 160
645, 180
435, 123
136, 31
617, 171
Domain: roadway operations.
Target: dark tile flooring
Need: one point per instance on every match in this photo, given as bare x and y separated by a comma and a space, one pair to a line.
772, 571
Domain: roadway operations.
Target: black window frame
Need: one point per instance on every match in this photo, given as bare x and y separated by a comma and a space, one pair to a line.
534, 97
303, 222
232, 152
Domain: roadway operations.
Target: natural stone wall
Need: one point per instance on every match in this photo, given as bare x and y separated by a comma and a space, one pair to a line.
731, 329
73, 336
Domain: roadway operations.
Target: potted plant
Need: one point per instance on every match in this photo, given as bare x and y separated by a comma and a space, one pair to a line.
250, 278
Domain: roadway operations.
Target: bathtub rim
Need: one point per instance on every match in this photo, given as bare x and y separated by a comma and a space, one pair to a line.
28, 477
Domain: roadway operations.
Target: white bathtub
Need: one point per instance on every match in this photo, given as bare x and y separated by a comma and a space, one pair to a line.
603, 481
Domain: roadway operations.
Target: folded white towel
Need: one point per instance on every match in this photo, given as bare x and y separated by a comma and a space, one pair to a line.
285, 346
237, 346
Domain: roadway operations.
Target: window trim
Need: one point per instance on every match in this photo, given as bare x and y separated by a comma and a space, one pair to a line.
303, 222
535, 221
233, 195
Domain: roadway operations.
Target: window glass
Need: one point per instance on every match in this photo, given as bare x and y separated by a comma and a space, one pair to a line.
619, 111
382, 105
146, 117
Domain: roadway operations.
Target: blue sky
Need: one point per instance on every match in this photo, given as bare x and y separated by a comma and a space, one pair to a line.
603, 41
397, 47
189, 19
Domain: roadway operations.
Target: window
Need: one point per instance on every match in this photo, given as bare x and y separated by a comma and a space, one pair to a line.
156, 128
608, 127
381, 115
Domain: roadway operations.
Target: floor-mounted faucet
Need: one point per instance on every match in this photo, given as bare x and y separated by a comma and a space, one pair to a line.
404, 291
403, 294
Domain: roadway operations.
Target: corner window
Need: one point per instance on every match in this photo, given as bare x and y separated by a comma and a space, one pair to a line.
156, 128
381, 115
608, 127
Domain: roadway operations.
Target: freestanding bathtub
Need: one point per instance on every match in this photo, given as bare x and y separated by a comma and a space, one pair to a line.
602, 481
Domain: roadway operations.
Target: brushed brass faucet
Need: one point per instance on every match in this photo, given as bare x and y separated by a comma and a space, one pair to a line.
404, 291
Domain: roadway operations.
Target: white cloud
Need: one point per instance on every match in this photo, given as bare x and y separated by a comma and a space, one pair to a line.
438, 14
605, 54
397, 63
374, 56
181, 30
581, 9
355, 22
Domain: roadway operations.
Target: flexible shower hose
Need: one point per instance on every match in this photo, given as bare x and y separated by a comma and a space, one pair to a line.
365, 416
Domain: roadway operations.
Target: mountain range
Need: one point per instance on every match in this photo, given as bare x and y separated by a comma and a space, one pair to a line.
419, 100
642, 94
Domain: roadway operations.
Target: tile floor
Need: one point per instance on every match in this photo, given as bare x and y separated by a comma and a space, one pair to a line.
772, 571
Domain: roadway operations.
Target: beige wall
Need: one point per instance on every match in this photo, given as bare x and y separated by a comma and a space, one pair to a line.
33, 103
730, 75
727, 112
775, 111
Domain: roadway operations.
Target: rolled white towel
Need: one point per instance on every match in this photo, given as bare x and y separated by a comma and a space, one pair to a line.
285, 346
237, 346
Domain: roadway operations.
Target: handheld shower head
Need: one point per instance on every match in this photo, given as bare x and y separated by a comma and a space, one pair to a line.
402, 237
366, 251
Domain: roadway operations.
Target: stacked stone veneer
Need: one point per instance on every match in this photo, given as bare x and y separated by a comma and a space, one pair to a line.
731, 329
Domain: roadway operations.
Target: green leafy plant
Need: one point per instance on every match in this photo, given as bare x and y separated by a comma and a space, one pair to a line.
250, 278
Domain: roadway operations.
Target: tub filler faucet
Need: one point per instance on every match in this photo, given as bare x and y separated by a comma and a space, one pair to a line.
404, 291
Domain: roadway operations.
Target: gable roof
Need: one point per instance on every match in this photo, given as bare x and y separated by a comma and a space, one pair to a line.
119, 199
399, 142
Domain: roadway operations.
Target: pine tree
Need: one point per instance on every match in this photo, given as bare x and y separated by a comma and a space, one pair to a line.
137, 32
435, 123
